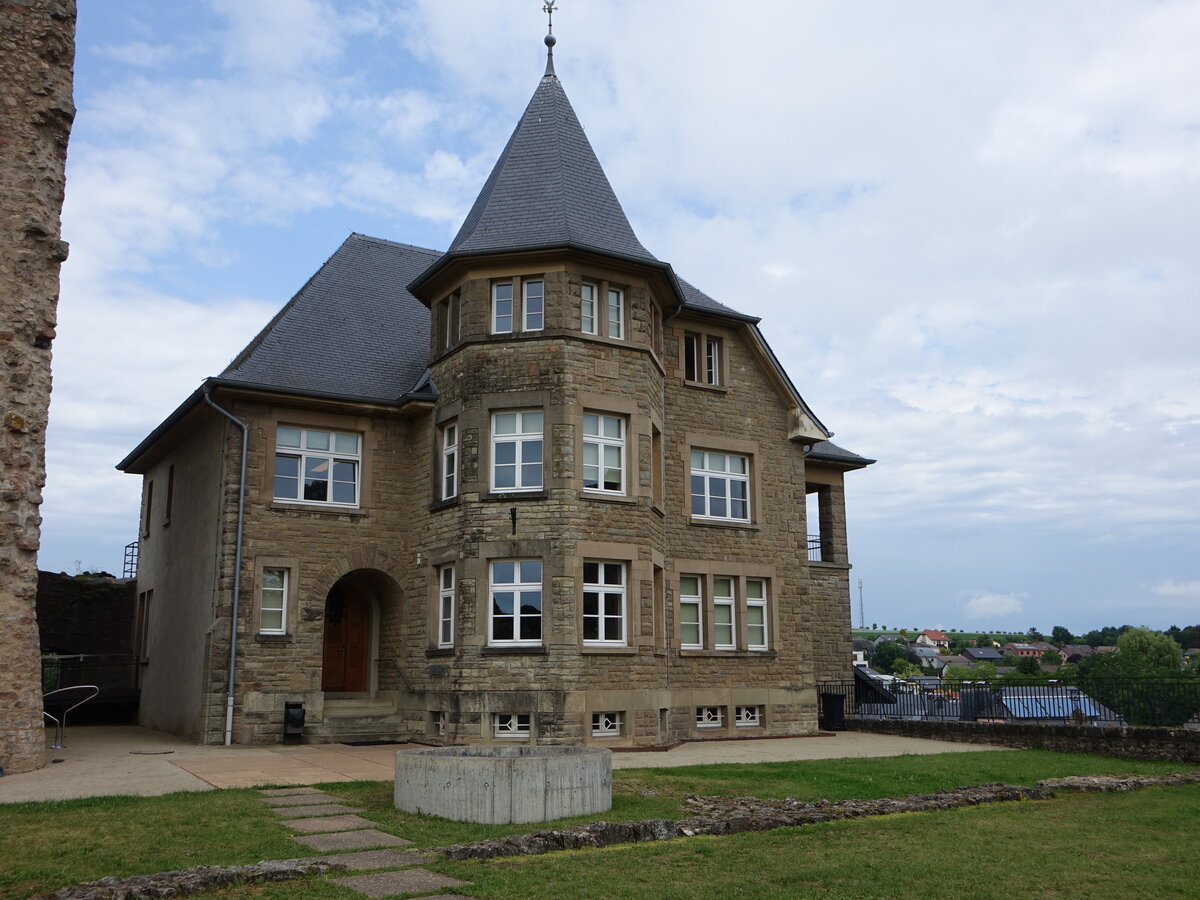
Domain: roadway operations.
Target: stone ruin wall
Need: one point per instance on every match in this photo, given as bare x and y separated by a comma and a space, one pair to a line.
37, 50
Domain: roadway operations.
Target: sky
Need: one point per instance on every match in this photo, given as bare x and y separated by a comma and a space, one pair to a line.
970, 230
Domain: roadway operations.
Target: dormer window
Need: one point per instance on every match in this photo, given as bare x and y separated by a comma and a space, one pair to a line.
702, 359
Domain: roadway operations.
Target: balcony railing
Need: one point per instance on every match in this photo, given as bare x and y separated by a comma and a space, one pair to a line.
1169, 702
815, 551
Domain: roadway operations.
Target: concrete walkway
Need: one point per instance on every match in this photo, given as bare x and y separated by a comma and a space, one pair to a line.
108, 760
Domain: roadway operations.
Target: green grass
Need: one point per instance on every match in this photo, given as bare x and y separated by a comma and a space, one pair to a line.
1143, 844
45, 846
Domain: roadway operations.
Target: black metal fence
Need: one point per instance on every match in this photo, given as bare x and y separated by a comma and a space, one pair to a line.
115, 674
1169, 702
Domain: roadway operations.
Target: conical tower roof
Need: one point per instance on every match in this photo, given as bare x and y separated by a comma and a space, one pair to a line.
548, 190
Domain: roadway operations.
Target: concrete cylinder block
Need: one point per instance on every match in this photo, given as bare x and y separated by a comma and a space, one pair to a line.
504, 785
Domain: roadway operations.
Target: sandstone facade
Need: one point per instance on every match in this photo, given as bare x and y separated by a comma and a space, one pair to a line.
37, 45
550, 494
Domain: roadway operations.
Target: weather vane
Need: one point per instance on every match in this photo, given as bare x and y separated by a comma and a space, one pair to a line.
549, 9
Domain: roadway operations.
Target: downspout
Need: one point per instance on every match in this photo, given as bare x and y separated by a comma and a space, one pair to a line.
237, 567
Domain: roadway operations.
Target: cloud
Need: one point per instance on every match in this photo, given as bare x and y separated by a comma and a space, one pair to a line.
991, 605
140, 53
1179, 589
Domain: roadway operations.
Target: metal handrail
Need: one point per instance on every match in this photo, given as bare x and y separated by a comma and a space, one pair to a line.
60, 725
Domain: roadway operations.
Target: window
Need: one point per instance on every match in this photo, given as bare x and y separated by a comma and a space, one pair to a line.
316, 466
149, 508
710, 716
517, 451
724, 631
450, 461
606, 724
603, 453
272, 602
445, 323
702, 358
170, 495
439, 718
604, 603
616, 313
587, 308
446, 606
510, 725
502, 308
747, 716
720, 486
534, 306
516, 611
756, 614
691, 632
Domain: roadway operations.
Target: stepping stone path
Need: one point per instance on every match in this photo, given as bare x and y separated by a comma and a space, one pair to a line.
328, 825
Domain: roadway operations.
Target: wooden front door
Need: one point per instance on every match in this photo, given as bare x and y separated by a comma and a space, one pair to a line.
347, 641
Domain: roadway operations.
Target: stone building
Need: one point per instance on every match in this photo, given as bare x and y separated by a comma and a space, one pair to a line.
37, 53
535, 488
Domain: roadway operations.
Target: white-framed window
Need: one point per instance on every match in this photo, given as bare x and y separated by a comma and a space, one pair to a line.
710, 716
449, 460
272, 602
587, 308
756, 614
724, 618
616, 313
691, 618
516, 601
446, 606
603, 453
747, 716
502, 307
603, 602
606, 724
517, 450
316, 466
702, 358
720, 486
511, 725
533, 308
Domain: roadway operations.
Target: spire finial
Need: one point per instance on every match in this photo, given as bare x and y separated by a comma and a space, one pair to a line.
549, 9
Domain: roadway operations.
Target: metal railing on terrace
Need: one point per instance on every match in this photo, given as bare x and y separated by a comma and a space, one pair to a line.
815, 548
1171, 701
116, 674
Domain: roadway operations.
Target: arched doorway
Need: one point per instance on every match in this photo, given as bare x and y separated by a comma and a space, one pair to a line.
347, 652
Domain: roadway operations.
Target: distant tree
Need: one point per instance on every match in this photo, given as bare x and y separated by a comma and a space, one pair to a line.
904, 632
1061, 635
907, 669
1106, 636
1010, 659
874, 627
1028, 665
1033, 634
1188, 637
985, 671
887, 654
1052, 658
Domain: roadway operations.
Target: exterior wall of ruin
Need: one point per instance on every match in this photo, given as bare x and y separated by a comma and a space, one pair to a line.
37, 47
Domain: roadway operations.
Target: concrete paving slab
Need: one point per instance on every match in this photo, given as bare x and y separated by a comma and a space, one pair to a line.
126, 759
290, 792
324, 809
842, 745
362, 839
311, 798
406, 881
327, 823
366, 860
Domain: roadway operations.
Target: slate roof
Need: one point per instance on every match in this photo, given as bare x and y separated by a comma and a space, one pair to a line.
353, 330
832, 452
548, 189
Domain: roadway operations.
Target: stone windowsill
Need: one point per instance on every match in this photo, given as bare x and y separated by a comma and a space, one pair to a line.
729, 654
611, 650
821, 564
437, 505
431, 652
512, 496
316, 509
514, 650
274, 638
722, 523
704, 386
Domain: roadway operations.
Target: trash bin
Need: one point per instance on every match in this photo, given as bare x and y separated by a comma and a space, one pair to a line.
832, 713
293, 722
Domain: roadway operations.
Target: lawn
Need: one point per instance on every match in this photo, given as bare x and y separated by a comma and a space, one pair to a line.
1136, 839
